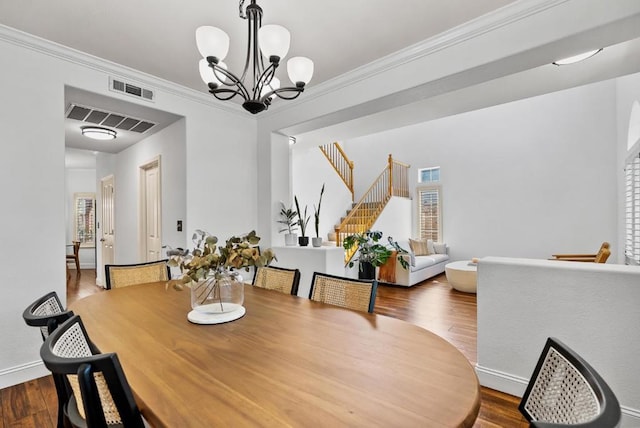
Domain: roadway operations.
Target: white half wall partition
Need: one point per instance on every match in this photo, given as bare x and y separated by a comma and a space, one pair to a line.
590, 307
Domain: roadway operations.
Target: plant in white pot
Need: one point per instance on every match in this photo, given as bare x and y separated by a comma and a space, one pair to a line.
288, 217
317, 241
303, 220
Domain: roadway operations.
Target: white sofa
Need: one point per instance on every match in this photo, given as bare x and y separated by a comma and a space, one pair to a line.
421, 267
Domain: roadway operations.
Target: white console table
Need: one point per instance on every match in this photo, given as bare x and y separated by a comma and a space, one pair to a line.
309, 260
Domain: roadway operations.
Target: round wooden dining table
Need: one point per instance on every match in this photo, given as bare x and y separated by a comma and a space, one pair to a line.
289, 362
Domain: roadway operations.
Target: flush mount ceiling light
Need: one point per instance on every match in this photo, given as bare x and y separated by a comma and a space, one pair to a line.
577, 58
270, 40
98, 133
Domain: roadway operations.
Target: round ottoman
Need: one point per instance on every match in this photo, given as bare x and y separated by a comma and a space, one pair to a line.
462, 276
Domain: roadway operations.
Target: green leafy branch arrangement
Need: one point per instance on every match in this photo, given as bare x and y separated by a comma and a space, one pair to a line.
207, 258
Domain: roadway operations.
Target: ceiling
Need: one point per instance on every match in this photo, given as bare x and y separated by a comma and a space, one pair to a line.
100, 103
157, 37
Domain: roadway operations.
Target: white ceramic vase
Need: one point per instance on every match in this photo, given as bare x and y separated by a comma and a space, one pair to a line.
291, 239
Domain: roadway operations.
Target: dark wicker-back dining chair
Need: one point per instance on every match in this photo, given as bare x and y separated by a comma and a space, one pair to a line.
117, 276
101, 396
47, 313
277, 278
566, 391
349, 293
75, 257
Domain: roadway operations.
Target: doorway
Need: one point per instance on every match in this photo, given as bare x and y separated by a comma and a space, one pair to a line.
151, 211
107, 197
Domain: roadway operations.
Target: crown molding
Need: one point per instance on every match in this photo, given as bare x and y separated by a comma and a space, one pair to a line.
499, 18
492, 21
112, 69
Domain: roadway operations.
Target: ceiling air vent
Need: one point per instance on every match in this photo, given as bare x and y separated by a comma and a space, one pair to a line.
106, 118
130, 89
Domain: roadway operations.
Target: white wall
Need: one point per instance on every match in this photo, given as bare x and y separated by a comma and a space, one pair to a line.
219, 147
590, 307
395, 220
33, 202
519, 179
310, 170
78, 181
169, 144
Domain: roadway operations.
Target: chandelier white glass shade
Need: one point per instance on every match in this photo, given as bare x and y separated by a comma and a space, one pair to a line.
268, 41
98, 133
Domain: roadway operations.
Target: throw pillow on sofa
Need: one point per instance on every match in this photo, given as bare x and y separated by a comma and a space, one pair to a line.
440, 248
419, 247
431, 247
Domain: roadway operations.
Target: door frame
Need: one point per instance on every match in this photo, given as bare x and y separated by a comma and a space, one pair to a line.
155, 162
101, 224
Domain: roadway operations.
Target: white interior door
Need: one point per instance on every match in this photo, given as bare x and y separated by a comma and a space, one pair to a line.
108, 223
151, 225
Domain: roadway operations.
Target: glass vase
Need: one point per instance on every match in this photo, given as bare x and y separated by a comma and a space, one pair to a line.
219, 293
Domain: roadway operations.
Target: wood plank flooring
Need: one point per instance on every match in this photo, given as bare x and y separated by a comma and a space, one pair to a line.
431, 304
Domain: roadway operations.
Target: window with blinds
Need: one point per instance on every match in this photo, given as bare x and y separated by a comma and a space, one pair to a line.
429, 215
632, 211
84, 219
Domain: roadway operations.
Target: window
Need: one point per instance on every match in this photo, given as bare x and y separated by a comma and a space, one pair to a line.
429, 175
632, 211
429, 212
84, 218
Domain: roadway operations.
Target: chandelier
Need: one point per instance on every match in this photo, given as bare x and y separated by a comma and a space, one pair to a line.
270, 40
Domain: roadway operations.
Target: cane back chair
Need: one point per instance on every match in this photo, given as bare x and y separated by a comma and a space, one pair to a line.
349, 293
277, 278
566, 391
117, 276
47, 313
101, 396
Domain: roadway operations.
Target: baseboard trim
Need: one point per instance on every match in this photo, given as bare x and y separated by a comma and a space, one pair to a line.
22, 373
83, 266
515, 385
501, 381
630, 417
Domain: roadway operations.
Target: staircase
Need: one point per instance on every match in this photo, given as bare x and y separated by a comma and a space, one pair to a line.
392, 181
341, 163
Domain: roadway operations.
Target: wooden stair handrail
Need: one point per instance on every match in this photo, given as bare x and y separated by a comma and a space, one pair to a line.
340, 163
366, 211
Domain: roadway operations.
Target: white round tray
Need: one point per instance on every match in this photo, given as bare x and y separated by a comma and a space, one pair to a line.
204, 318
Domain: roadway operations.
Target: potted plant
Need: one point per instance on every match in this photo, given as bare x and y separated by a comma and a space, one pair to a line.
209, 271
303, 220
288, 218
371, 253
317, 241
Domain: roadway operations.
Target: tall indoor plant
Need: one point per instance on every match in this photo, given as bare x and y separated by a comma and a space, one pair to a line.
317, 241
371, 253
303, 220
288, 217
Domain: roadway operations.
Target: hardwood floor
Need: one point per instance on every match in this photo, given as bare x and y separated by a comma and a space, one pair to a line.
451, 314
432, 305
